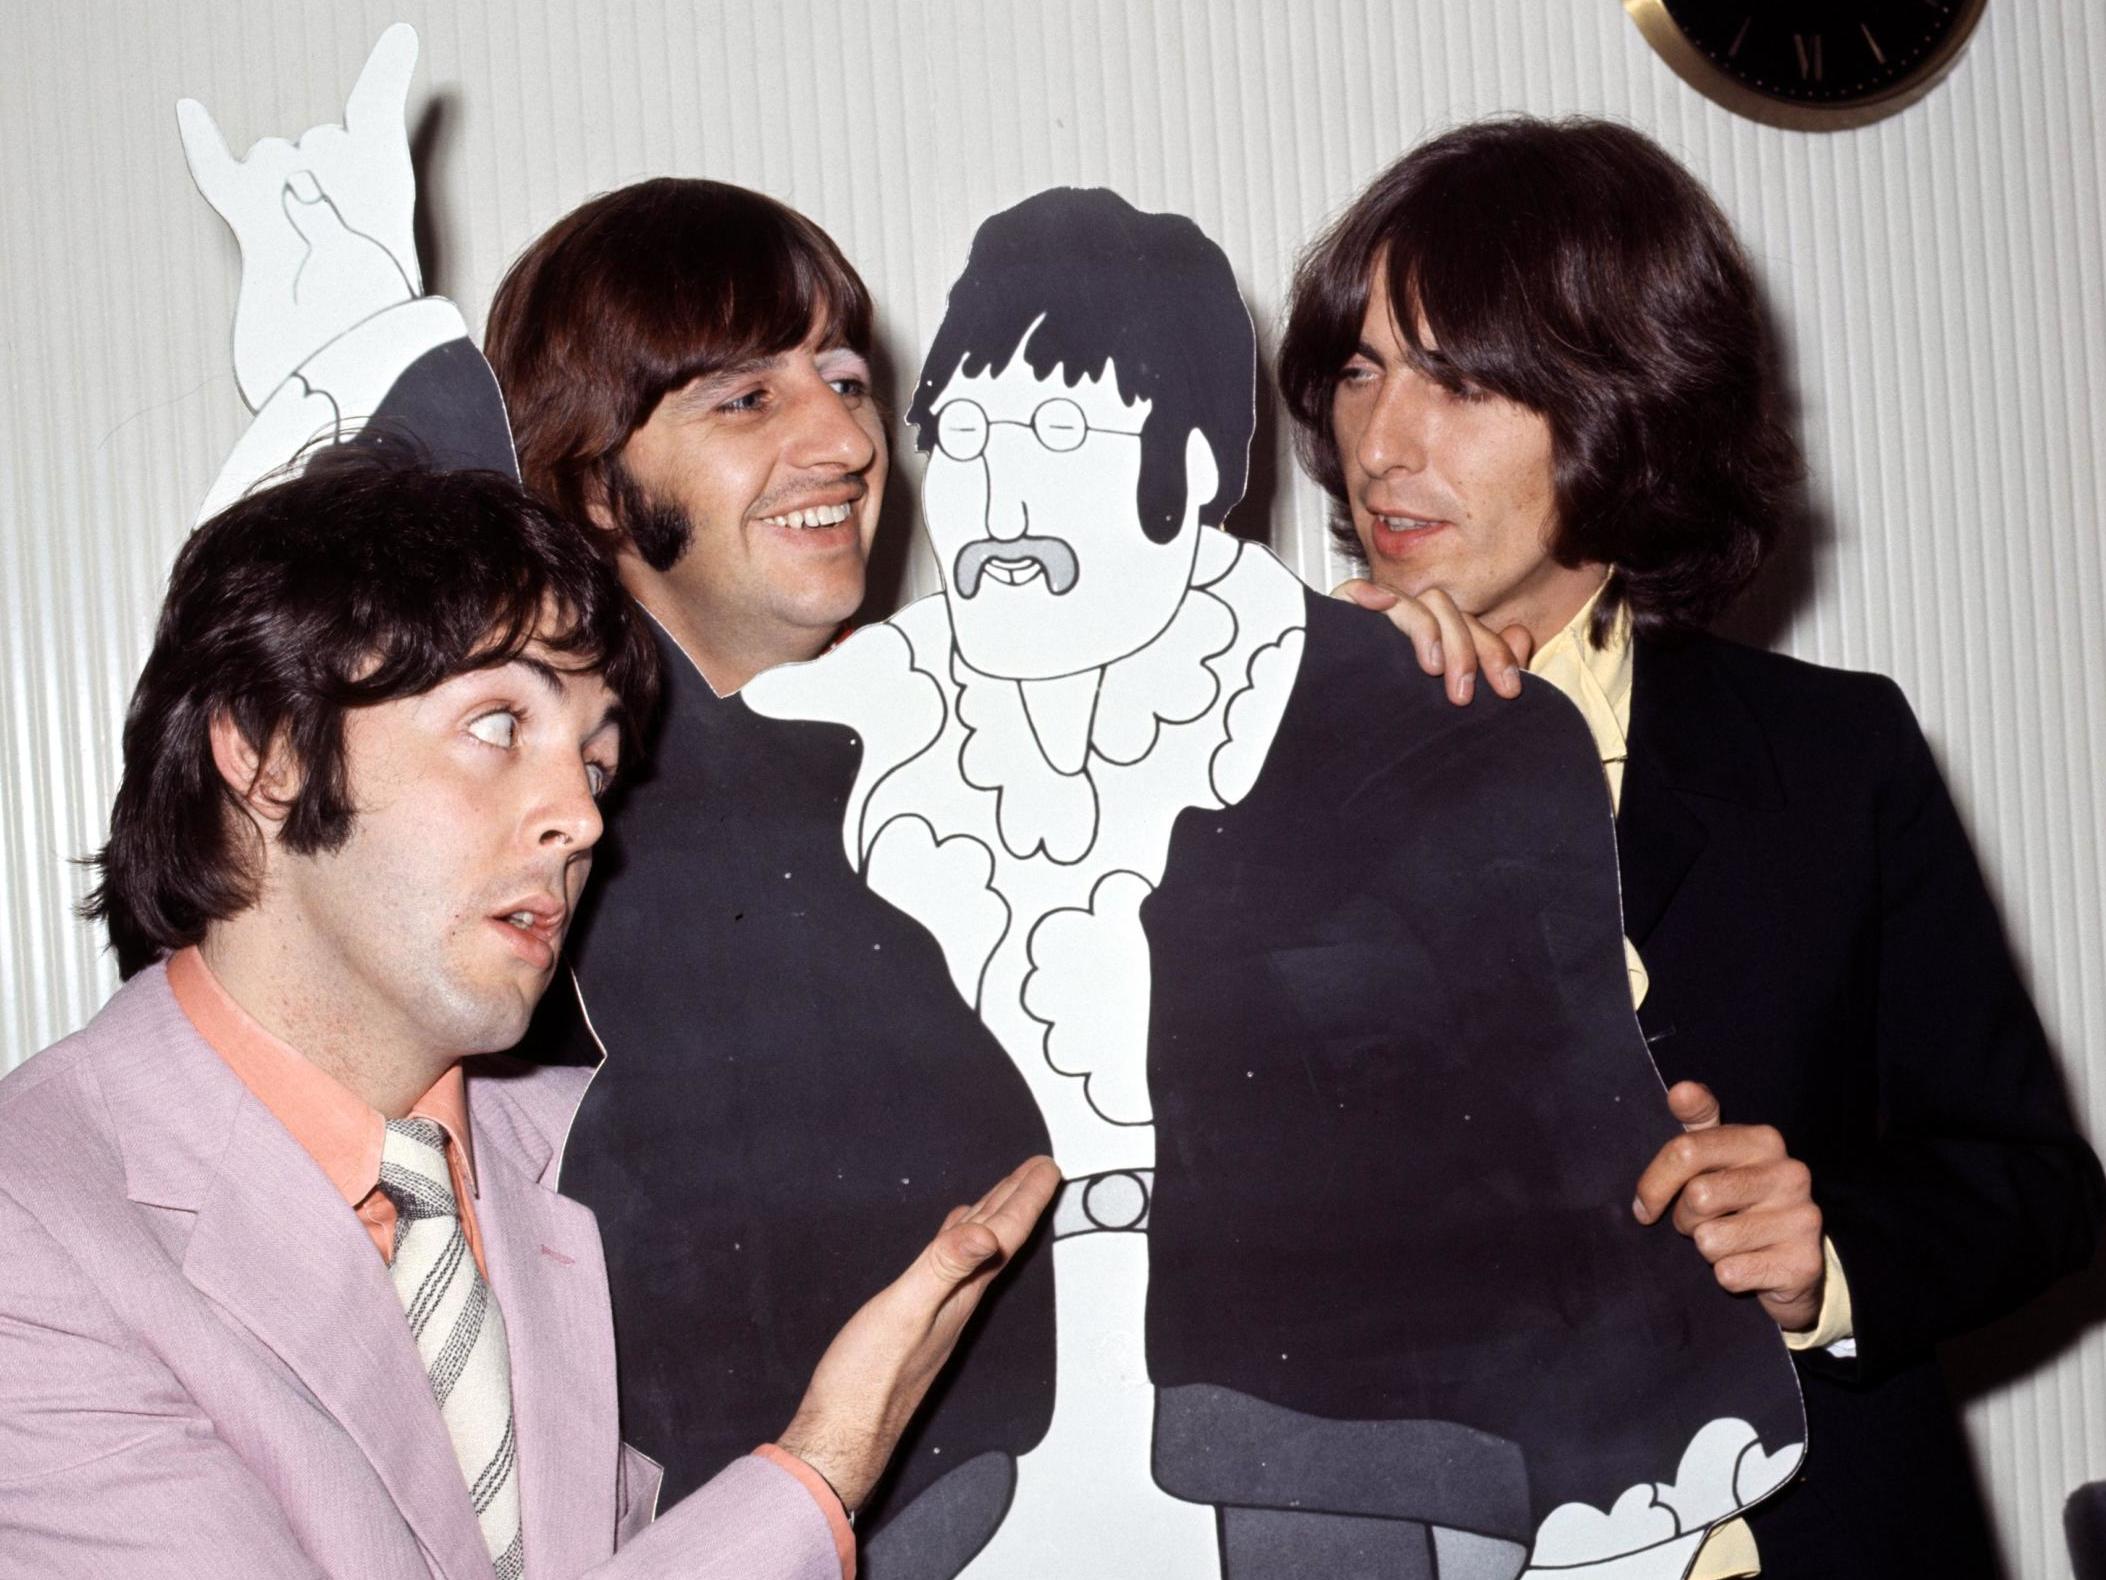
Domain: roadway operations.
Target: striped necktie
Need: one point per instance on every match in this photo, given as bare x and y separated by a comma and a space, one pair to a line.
459, 1331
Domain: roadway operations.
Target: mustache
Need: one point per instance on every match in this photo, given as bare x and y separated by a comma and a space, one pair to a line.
1053, 555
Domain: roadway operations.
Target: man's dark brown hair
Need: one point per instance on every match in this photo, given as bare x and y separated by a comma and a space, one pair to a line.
1575, 268
362, 581
635, 294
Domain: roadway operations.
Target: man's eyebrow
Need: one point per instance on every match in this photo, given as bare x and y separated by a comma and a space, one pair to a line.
710, 383
549, 675
552, 677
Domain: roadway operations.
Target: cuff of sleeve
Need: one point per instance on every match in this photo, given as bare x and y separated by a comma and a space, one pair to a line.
828, 1500
391, 339
1833, 1325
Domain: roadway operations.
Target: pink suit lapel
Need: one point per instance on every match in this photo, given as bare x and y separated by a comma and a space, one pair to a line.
276, 1247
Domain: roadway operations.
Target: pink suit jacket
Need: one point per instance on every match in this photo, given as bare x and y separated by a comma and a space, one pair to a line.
205, 1373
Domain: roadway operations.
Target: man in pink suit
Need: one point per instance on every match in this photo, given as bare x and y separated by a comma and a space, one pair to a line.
283, 1291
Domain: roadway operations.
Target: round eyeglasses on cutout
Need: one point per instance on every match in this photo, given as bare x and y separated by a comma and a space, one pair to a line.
1058, 424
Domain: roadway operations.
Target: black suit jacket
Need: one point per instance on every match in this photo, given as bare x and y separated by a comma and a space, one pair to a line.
1825, 957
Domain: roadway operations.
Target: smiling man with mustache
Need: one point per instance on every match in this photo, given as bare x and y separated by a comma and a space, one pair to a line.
687, 367
687, 370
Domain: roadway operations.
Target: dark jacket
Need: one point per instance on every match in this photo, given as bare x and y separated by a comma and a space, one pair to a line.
1823, 954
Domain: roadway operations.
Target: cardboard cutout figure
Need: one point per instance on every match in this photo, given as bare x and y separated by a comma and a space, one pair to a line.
1317, 983
1129, 845
333, 338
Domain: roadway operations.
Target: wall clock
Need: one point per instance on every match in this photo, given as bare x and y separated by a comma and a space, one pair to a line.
1813, 65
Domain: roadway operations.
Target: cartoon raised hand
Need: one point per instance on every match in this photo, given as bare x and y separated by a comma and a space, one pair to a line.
331, 333
324, 223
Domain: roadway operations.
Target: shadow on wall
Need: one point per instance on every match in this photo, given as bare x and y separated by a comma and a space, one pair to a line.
1763, 614
2024, 1343
431, 144
899, 511
1251, 519
2029, 1339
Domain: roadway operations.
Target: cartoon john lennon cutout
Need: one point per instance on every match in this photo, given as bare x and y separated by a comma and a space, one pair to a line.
1317, 983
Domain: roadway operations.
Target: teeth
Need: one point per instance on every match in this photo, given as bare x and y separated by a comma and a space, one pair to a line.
521, 918
817, 516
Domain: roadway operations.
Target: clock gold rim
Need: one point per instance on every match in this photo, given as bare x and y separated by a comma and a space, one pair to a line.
1695, 68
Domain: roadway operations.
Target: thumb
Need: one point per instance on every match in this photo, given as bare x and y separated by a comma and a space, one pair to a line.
959, 1252
1520, 642
1693, 1105
309, 209
1365, 593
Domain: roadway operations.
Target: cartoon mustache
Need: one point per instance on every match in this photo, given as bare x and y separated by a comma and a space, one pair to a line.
1053, 555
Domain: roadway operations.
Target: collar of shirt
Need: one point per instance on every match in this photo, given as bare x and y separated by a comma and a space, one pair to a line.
336, 1127
1596, 679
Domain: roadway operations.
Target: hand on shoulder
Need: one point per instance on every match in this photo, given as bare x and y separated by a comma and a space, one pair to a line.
1448, 642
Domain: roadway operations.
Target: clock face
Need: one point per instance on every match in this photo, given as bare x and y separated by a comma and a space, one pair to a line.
1823, 52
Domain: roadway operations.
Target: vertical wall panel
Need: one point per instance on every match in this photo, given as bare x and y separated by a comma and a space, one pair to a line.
1940, 279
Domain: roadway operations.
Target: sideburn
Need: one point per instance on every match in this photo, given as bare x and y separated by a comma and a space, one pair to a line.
660, 531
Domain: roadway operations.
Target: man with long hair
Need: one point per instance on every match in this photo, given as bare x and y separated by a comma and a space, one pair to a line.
1530, 367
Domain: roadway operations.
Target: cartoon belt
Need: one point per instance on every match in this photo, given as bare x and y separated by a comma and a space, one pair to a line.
1114, 1202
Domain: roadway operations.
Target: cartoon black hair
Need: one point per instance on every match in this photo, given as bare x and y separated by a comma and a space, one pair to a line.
1148, 293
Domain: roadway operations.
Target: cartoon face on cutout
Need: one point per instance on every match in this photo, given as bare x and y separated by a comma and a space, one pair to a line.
1086, 406
1031, 502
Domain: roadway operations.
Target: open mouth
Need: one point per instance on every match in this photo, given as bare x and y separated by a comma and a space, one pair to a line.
546, 928
1393, 534
533, 932
812, 517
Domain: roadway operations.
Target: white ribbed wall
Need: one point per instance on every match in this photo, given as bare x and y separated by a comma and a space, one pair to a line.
1938, 276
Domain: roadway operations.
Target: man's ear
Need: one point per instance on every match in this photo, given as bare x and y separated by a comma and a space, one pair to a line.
1202, 475
610, 493
264, 782
598, 510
